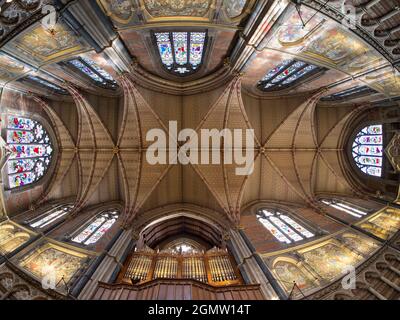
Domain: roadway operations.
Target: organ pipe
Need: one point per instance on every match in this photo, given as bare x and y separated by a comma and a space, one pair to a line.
188, 266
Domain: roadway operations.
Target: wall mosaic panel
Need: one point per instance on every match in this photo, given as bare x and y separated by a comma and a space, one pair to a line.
383, 224
50, 258
328, 43
12, 237
309, 267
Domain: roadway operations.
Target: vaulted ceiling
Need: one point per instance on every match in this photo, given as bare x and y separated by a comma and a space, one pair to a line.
299, 150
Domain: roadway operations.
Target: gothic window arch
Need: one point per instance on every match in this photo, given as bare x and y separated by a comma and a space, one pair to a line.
50, 216
29, 151
181, 53
287, 74
96, 228
346, 207
348, 94
41, 82
367, 150
94, 72
283, 227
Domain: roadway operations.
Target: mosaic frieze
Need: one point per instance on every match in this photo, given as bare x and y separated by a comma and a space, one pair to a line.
166, 8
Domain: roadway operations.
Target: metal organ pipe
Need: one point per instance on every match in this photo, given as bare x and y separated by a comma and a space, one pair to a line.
190, 266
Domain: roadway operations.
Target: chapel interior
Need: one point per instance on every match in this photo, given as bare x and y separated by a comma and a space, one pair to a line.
84, 214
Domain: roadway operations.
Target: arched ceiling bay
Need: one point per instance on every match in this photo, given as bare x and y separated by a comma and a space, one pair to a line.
101, 133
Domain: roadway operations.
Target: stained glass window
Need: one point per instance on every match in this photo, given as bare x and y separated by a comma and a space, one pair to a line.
348, 94
30, 151
286, 74
181, 52
92, 70
97, 228
50, 216
367, 150
345, 207
44, 83
282, 227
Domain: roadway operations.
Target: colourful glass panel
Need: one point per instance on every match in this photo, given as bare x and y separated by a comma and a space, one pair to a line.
100, 232
276, 70
367, 150
89, 230
196, 48
86, 70
374, 161
100, 70
30, 151
350, 93
373, 171
46, 84
286, 73
21, 179
180, 47
94, 71
274, 231
95, 230
165, 48
21, 165
18, 136
181, 52
282, 227
296, 226
299, 74
285, 228
20, 123
369, 139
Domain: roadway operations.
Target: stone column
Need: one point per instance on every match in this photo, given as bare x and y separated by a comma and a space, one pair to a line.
253, 268
110, 265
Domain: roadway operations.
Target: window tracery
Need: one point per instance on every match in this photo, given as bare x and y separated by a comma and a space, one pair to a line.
287, 74
283, 227
30, 151
181, 52
93, 71
367, 150
97, 228
345, 207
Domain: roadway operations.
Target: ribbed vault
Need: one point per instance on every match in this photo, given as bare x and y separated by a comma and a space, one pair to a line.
290, 163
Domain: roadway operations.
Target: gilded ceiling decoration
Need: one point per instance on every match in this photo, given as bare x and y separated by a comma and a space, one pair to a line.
234, 7
120, 10
383, 224
41, 45
167, 8
15, 13
392, 151
44, 44
324, 41
375, 21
